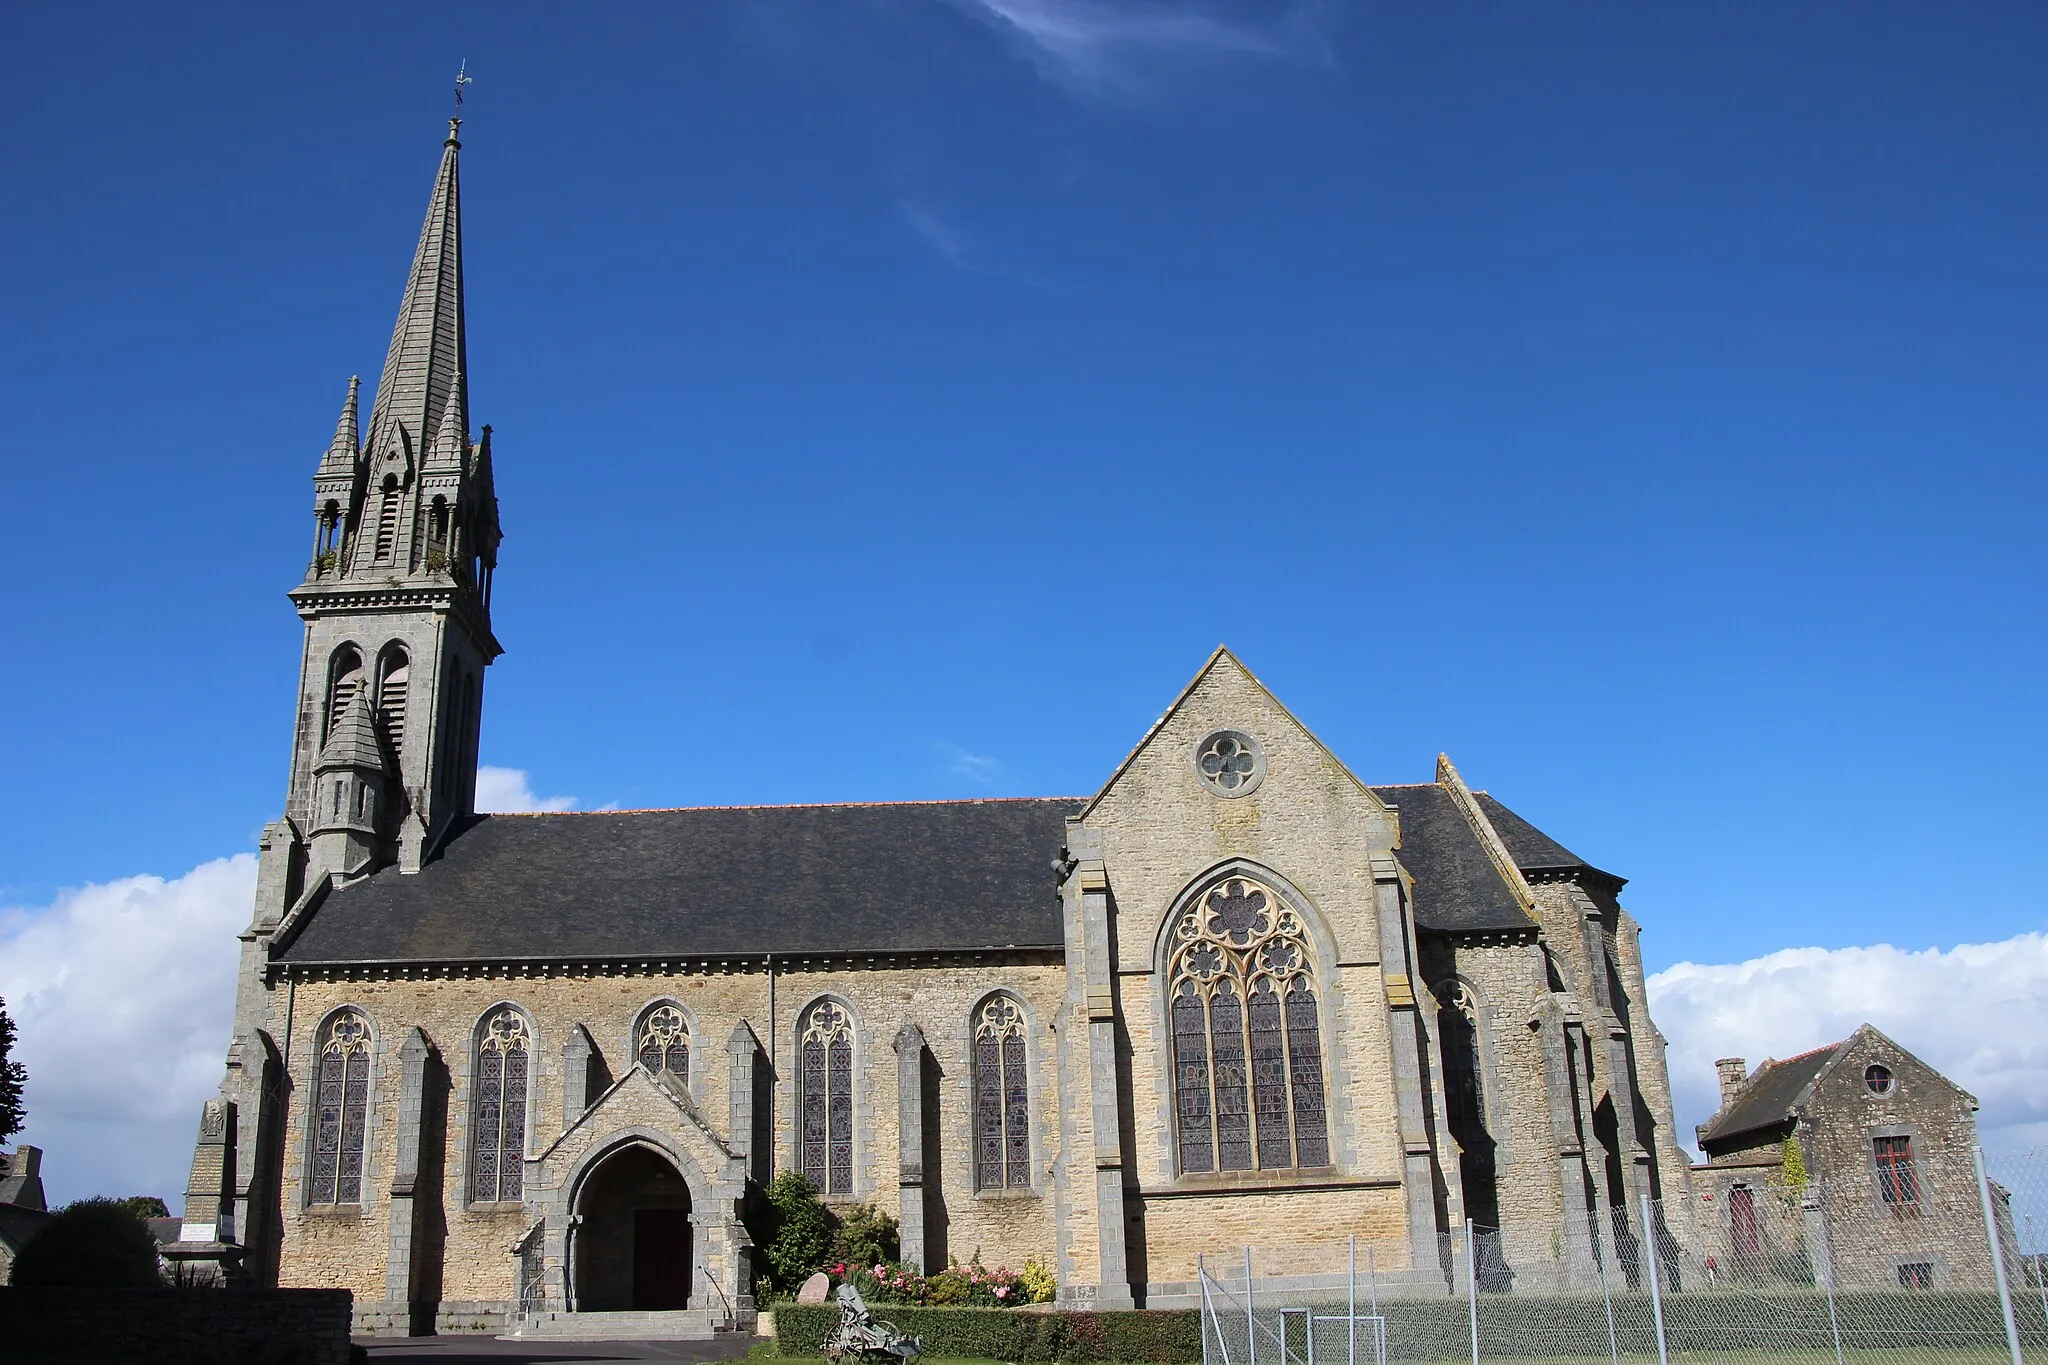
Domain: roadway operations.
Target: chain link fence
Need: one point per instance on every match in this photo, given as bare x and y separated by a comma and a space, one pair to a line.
1764, 1272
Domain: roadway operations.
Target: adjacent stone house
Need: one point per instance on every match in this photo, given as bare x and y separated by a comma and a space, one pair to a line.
22, 1210
1859, 1150
492, 1064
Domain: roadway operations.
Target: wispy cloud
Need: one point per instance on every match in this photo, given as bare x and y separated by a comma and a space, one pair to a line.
979, 769
124, 993
1977, 1012
509, 791
1102, 45
942, 235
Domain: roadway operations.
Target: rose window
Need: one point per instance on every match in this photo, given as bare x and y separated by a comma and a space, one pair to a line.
1231, 762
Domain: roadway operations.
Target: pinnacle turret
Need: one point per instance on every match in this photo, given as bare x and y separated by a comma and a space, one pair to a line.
345, 449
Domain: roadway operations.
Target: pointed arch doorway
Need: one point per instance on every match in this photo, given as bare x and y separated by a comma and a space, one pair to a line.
635, 1246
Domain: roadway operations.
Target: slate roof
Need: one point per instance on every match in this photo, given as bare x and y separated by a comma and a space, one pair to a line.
1457, 887
1532, 849
716, 882
1768, 1097
939, 876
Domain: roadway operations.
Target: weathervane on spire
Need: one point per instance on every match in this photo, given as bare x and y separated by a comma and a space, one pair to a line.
462, 78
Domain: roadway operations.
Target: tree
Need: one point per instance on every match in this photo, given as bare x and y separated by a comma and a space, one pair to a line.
144, 1206
13, 1076
94, 1243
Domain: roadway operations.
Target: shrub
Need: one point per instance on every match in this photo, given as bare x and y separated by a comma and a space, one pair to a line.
1037, 1282
794, 1232
866, 1237
94, 1243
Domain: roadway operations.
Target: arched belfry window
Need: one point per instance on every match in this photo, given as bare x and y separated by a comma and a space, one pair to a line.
504, 1051
825, 1073
344, 676
1002, 1097
394, 670
342, 1109
1247, 1041
387, 519
662, 1042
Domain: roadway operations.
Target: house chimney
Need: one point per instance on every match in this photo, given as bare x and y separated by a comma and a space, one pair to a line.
1732, 1071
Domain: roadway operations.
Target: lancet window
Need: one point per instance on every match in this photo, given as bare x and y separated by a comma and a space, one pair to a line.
1464, 1091
663, 1042
1247, 1042
342, 1113
1002, 1097
825, 1052
504, 1051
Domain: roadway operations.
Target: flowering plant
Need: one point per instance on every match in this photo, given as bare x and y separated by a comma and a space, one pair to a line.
972, 1284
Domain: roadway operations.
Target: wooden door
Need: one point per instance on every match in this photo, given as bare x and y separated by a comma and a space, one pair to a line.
661, 1258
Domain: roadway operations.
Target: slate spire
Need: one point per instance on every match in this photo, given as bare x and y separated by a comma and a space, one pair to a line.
427, 358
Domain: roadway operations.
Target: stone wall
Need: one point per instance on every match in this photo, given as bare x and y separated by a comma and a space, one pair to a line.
257, 1326
346, 1246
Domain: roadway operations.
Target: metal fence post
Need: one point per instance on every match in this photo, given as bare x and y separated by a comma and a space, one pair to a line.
2012, 1330
1606, 1298
1372, 1281
1251, 1321
1472, 1284
2039, 1262
1649, 1238
1817, 1219
1350, 1306
1202, 1278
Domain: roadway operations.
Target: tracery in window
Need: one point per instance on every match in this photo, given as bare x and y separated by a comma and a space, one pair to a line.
825, 1046
1002, 1098
343, 1102
663, 1042
498, 1129
1247, 1042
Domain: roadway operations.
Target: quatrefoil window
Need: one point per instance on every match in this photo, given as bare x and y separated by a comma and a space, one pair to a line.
1231, 762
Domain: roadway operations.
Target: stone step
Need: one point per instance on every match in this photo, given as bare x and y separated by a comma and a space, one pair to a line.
681, 1324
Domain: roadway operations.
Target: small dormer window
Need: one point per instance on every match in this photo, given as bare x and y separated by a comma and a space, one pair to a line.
1878, 1079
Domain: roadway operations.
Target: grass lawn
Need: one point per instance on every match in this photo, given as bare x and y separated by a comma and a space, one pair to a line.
1930, 1355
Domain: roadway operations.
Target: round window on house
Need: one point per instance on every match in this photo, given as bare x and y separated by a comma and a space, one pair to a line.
1230, 762
1878, 1079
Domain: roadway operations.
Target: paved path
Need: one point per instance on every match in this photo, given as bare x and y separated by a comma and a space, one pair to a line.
482, 1350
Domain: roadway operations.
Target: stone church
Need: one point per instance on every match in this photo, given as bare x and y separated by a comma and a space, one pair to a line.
486, 1064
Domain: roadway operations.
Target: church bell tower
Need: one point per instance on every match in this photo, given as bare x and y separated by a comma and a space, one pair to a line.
397, 597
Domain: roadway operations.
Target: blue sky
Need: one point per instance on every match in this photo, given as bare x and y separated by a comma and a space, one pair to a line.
900, 398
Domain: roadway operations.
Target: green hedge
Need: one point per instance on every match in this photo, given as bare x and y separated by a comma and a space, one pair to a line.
1172, 1337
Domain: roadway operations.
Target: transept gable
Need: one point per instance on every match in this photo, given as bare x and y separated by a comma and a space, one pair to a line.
1228, 772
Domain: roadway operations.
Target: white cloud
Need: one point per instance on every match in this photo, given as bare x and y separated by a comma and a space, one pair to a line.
507, 791
1101, 44
937, 233
1977, 1012
977, 768
123, 993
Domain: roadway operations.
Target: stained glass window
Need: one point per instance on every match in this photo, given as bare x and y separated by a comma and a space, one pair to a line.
1247, 1040
498, 1144
825, 1049
1002, 1098
664, 1042
343, 1103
